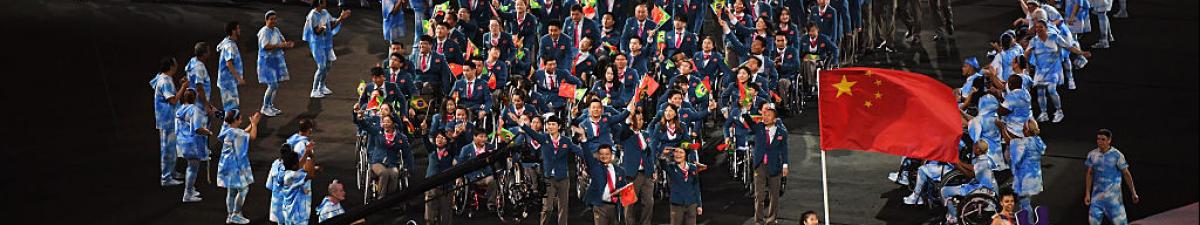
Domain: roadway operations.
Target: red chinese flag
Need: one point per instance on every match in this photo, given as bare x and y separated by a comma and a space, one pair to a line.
456, 69
491, 81
888, 111
627, 194
566, 90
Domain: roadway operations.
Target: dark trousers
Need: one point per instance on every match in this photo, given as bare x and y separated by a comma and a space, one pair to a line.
640, 213
604, 214
437, 207
683, 215
558, 194
766, 196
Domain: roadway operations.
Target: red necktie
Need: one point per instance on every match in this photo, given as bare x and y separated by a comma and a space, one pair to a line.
470, 86
611, 188
641, 29
424, 62
768, 146
678, 40
440, 45
595, 129
442, 153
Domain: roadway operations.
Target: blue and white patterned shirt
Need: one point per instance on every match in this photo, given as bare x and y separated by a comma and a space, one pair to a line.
164, 111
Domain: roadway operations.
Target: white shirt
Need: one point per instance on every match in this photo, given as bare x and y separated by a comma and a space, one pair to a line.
612, 176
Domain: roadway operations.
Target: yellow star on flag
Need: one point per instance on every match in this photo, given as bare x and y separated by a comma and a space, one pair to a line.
844, 87
878, 82
868, 104
878, 95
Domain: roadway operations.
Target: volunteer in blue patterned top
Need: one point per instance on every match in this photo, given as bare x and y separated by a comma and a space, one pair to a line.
166, 98
271, 66
234, 172
319, 29
229, 67
1106, 168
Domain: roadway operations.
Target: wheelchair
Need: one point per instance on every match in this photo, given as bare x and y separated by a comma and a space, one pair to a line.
367, 181
521, 188
740, 166
804, 85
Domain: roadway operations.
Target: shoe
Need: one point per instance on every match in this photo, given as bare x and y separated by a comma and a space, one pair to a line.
316, 94
267, 112
1121, 14
190, 199
1071, 84
173, 182
1043, 117
276, 110
894, 177
1100, 45
912, 200
326, 91
237, 218
195, 194
1058, 116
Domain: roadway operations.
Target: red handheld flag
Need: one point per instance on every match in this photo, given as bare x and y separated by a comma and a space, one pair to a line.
888, 111
566, 90
628, 195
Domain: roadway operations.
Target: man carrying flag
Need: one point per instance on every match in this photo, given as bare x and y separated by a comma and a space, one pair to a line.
389, 93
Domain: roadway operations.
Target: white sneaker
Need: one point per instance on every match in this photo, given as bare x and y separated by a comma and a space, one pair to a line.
1071, 84
894, 176
237, 218
173, 182
912, 200
316, 94
1121, 14
1043, 117
267, 112
326, 91
1100, 45
1058, 116
190, 199
195, 194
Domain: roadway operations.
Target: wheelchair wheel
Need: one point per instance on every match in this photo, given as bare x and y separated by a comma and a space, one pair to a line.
462, 200
978, 208
362, 165
582, 178
747, 170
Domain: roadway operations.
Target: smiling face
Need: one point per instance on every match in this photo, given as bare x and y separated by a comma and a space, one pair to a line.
272, 20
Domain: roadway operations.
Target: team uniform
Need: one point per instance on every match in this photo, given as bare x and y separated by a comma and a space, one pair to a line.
1107, 167
228, 52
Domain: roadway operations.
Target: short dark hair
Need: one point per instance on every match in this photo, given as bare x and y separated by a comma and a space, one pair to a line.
307, 124
189, 96
397, 55
426, 38
1105, 133
165, 64
577, 8
229, 27
401, 44
554, 23
231, 115
480, 131
1007, 191
377, 71
604, 146
806, 214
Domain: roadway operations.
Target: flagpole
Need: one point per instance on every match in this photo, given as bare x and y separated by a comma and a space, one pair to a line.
824, 175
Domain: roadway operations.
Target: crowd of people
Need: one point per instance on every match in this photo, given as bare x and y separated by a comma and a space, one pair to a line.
1002, 147
579, 81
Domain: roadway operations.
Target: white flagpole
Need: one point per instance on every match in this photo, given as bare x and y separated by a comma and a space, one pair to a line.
824, 175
